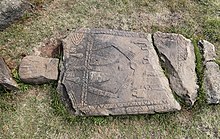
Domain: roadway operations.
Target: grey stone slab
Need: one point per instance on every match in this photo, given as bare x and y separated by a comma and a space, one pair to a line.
177, 56
211, 72
208, 49
110, 72
38, 70
212, 82
5, 76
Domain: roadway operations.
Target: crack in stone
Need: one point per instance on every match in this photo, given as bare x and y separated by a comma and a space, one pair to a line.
167, 67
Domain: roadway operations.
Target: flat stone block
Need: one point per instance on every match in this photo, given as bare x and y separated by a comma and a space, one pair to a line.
110, 72
38, 70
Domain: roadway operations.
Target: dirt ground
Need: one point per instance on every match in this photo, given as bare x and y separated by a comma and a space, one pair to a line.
34, 112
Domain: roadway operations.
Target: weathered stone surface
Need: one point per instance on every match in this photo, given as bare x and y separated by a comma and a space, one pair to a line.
211, 72
212, 82
49, 48
208, 49
38, 70
5, 76
10, 10
107, 72
177, 56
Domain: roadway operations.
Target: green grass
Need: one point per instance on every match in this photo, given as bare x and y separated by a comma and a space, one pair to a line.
212, 29
5, 96
39, 2
188, 123
37, 112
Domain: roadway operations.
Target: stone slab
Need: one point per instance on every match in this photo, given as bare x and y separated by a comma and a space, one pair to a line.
110, 72
5, 76
212, 82
208, 49
38, 70
177, 56
211, 72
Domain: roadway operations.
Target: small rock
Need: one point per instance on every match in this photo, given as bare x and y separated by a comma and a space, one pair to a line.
208, 50
5, 76
212, 82
177, 56
38, 70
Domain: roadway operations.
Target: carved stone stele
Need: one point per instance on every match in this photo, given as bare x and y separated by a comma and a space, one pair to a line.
110, 72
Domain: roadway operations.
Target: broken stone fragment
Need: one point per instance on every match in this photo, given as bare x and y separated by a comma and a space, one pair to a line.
38, 70
212, 82
211, 73
208, 49
178, 58
5, 76
110, 72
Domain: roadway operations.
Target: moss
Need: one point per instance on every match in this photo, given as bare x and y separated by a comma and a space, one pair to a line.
201, 98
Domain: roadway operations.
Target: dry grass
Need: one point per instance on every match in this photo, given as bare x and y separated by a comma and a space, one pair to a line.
33, 113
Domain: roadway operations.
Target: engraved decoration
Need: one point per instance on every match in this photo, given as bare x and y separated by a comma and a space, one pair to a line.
110, 72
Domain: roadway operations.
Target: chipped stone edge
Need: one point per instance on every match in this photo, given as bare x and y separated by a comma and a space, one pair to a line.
209, 92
